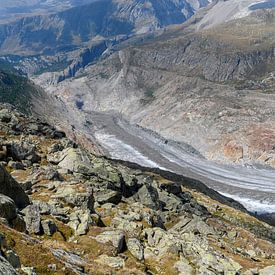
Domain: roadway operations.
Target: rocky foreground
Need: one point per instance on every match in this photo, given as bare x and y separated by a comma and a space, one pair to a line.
65, 211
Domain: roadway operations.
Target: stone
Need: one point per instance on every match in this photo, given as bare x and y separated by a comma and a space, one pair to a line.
136, 248
269, 270
13, 258
183, 267
113, 262
80, 221
32, 219
71, 260
49, 227
6, 268
24, 150
76, 161
7, 208
12, 189
148, 196
116, 238
108, 196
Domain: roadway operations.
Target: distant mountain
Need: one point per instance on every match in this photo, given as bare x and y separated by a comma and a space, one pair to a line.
12, 9
65, 30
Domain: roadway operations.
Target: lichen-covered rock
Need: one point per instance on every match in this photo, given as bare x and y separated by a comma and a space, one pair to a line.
136, 248
32, 219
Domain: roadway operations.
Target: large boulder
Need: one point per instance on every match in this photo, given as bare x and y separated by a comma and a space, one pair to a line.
12, 189
7, 208
75, 160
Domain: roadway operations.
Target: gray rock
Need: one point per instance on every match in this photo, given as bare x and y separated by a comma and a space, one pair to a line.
267, 270
136, 248
72, 261
49, 227
7, 208
6, 268
148, 196
183, 267
108, 196
32, 219
10, 188
76, 161
24, 150
13, 259
117, 238
82, 200
80, 221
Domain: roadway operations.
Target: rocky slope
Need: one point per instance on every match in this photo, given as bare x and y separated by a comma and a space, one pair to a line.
82, 214
212, 89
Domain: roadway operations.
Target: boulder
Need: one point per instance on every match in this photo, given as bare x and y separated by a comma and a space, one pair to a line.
108, 196
148, 196
24, 150
32, 219
7, 208
76, 160
136, 248
12, 189
116, 238
6, 268
267, 270
49, 227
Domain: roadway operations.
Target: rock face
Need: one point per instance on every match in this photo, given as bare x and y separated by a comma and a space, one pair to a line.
89, 213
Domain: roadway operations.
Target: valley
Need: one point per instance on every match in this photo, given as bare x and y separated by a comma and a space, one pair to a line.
140, 135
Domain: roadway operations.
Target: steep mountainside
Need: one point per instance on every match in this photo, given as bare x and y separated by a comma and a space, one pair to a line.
65, 211
104, 18
16, 89
211, 89
10, 10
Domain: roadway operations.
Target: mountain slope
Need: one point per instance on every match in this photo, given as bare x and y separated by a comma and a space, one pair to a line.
199, 88
71, 28
15, 89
